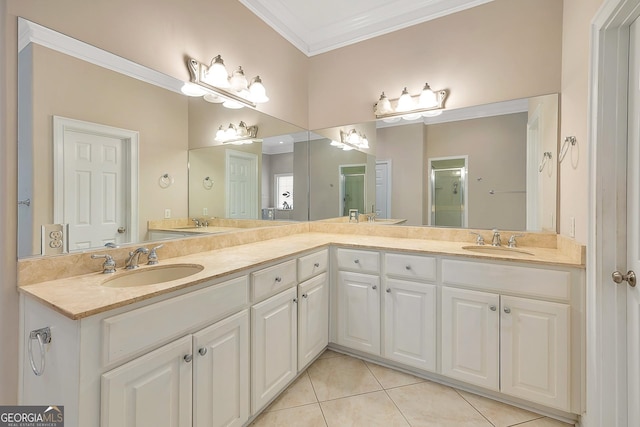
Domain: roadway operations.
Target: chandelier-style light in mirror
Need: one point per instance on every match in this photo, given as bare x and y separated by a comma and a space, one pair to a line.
214, 83
237, 135
427, 103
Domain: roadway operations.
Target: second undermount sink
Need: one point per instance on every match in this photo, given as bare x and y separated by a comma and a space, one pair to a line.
153, 275
498, 250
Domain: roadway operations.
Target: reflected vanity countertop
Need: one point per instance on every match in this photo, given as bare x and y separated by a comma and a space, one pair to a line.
82, 296
197, 230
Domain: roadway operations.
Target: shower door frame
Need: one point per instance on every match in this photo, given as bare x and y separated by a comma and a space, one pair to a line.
465, 187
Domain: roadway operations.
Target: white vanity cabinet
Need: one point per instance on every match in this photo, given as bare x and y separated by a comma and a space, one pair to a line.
313, 319
517, 339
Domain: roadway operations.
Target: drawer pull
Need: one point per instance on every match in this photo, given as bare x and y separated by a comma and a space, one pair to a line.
408, 267
316, 265
507, 310
492, 307
278, 279
304, 295
357, 261
295, 300
388, 290
202, 351
374, 287
188, 358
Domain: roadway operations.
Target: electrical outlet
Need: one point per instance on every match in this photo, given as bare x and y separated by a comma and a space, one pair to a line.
572, 227
205, 211
167, 213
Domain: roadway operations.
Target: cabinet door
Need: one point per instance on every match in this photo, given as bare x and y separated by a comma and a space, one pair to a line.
358, 319
470, 336
313, 318
410, 323
535, 351
153, 390
221, 373
274, 346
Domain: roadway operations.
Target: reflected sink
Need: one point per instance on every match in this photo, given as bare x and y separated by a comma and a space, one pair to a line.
498, 250
153, 275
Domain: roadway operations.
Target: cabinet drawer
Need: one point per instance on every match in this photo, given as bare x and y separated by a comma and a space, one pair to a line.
312, 265
357, 260
139, 330
537, 282
410, 266
270, 280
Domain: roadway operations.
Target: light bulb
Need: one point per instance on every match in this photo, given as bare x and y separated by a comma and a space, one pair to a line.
231, 132
238, 81
364, 143
220, 136
405, 103
336, 144
353, 137
217, 74
428, 97
242, 130
258, 92
383, 106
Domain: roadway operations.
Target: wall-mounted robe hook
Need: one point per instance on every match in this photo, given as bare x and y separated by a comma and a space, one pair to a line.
165, 180
569, 141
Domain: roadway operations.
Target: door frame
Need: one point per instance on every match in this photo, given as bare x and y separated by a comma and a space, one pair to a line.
130, 139
606, 352
389, 182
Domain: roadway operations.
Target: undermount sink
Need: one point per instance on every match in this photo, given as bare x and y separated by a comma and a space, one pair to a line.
153, 275
501, 250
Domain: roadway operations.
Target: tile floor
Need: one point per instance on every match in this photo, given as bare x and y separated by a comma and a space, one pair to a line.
338, 390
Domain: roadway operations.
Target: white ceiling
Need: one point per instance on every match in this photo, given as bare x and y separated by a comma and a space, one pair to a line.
317, 26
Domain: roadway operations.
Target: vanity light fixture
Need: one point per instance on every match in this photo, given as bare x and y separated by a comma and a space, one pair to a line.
215, 85
237, 135
428, 103
354, 138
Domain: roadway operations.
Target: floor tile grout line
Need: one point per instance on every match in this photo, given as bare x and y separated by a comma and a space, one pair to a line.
373, 374
306, 371
524, 422
471, 404
397, 407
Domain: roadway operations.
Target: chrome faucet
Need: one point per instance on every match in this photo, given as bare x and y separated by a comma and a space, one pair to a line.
479, 238
132, 261
196, 221
152, 258
512, 240
495, 241
109, 265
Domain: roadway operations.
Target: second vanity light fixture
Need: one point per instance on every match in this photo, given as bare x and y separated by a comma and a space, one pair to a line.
351, 140
237, 135
214, 83
427, 103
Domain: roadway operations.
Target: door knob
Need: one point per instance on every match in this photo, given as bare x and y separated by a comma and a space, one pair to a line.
122, 230
630, 277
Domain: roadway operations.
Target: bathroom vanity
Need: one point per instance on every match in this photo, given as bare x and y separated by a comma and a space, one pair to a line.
216, 347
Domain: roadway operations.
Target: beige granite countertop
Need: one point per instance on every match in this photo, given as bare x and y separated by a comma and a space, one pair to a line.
83, 295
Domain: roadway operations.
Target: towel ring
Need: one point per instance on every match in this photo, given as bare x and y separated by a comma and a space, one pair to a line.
207, 183
43, 336
545, 158
165, 180
568, 141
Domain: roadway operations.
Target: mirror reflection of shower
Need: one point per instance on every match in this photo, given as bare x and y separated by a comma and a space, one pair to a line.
352, 188
448, 198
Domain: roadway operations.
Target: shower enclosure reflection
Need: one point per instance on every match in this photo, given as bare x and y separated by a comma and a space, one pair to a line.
448, 190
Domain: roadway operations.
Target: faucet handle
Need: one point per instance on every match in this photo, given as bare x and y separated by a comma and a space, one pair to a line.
109, 265
479, 238
152, 258
496, 241
512, 240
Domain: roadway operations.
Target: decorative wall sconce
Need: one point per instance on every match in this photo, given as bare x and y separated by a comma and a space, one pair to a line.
237, 135
428, 103
214, 83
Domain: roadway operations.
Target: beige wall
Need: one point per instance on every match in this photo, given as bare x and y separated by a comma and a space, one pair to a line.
574, 170
502, 50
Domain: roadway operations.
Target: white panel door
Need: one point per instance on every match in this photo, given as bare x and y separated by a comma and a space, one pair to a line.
153, 390
94, 189
221, 373
313, 318
410, 323
633, 229
534, 351
274, 346
470, 336
242, 185
383, 189
359, 311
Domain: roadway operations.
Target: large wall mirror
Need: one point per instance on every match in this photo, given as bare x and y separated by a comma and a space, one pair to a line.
86, 128
490, 166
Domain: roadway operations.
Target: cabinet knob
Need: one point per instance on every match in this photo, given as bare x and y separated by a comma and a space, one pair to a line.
388, 290
357, 261
492, 307
408, 267
304, 295
278, 279
507, 310
374, 287
316, 265
295, 300
188, 358
202, 351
